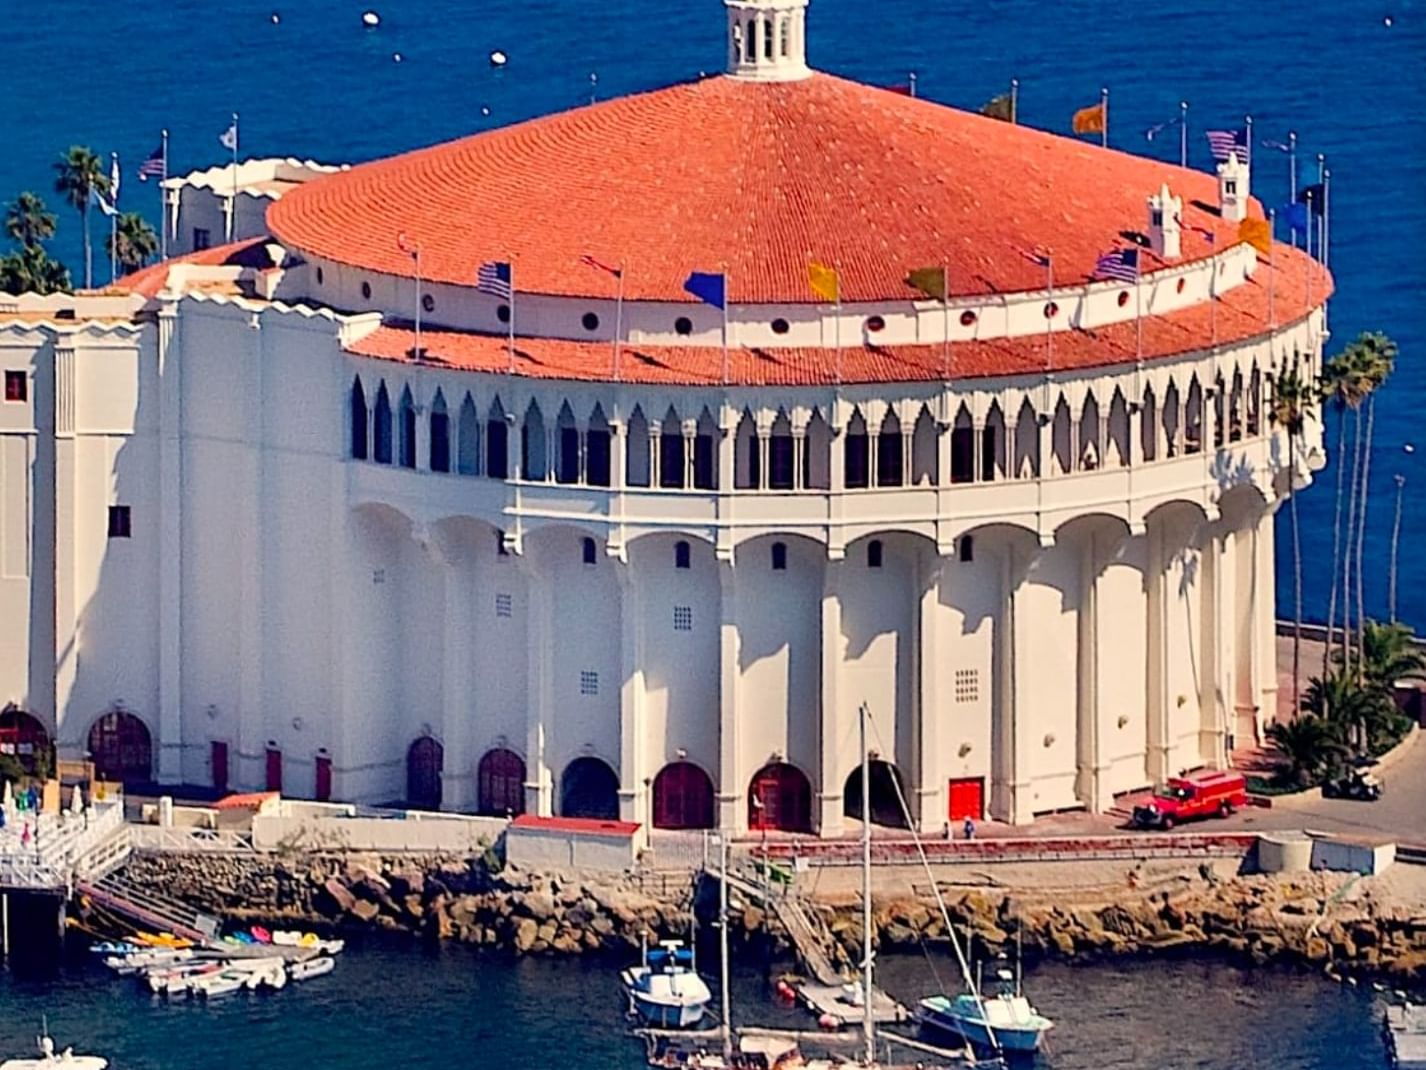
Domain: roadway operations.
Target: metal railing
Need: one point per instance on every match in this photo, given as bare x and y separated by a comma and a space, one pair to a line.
158, 838
64, 846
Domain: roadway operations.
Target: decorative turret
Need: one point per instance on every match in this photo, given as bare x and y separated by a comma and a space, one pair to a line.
1166, 224
1234, 186
767, 40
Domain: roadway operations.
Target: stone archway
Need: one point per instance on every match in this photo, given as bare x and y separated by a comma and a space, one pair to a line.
780, 799
121, 748
683, 797
887, 792
424, 759
500, 783
589, 788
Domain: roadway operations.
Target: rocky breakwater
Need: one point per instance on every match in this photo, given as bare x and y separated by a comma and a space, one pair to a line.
446, 898
1341, 923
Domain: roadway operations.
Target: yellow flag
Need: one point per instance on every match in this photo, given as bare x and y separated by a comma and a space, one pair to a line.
1258, 233
824, 282
931, 281
1089, 120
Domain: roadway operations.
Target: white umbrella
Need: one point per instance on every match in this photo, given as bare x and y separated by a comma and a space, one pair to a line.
9, 798
76, 801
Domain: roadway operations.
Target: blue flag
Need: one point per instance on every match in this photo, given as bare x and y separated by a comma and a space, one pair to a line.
710, 289
1293, 215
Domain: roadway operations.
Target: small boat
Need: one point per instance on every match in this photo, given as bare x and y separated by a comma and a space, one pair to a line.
49, 1059
177, 980
1016, 1025
310, 968
222, 983
115, 947
261, 935
666, 991
330, 947
139, 960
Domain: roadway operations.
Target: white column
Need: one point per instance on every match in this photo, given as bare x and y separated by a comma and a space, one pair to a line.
690, 434
249, 485
1010, 791
1265, 603
539, 782
977, 453
1158, 744
732, 814
1092, 781
1213, 694
170, 551
929, 807
799, 458
66, 603
633, 759
458, 696
655, 454
829, 779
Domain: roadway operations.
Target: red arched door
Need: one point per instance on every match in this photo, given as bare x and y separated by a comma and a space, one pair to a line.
120, 746
683, 797
500, 784
780, 799
590, 789
423, 774
24, 739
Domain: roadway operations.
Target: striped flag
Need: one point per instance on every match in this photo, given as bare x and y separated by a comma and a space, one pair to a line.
1035, 256
494, 278
1119, 264
153, 165
599, 265
1225, 143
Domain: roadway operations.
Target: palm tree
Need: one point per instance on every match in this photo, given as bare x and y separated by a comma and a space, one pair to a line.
132, 243
32, 271
1390, 654
78, 175
1291, 403
1344, 389
28, 221
1309, 744
1378, 357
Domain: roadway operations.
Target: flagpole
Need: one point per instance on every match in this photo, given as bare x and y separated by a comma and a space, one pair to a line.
727, 372
1049, 320
416, 256
233, 202
1014, 101
1272, 271
1213, 297
1322, 178
1248, 133
1104, 115
837, 311
163, 203
512, 317
1183, 133
912, 77
619, 324
946, 309
1292, 175
1324, 247
1138, 306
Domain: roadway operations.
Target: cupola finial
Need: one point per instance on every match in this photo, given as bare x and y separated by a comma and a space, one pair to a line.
767, 40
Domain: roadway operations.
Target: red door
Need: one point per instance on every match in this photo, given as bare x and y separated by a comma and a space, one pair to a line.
324, 778
780, 799
274, 769
500, 784
967, 798
218, 759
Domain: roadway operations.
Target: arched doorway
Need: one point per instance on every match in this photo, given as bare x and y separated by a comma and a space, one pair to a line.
500, 784
887, 793
683, 797
423, 773
780, 799
589, 788
24, 740
120, 746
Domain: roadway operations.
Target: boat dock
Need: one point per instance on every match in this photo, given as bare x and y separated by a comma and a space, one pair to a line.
1406, 1037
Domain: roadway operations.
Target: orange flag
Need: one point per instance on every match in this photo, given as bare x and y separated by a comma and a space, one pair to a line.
825, 282
1089, 120
1258, 233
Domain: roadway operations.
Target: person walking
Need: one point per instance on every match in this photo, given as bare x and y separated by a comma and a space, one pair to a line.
969, 828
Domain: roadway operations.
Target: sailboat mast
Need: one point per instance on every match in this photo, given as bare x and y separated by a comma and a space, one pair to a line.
868, 1017
724, 993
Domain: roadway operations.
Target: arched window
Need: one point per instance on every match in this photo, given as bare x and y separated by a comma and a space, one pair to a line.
671, 451
534, 446
589, 550
965, 548
497, 443
597, 444
781, 463
786, 38
705, 454
440, 435
682, 555
500, 784
962, 448
468, 444
779, 557
567, 460
858, 454
890, 464
873, 554
769, 39
748, 462
358, 421
381, 427
408, 430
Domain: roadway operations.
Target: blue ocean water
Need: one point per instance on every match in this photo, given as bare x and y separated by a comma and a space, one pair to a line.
1348, 76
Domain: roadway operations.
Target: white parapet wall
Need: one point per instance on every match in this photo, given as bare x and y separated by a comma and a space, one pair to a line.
1345, 854
421, 833
559, 843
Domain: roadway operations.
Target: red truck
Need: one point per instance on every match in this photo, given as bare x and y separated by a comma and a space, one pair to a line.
1200, 794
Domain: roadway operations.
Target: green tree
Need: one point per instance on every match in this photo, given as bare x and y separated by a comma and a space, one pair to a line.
1292, 402
1344, 388
32, 271
1377, 355
132, 243
1310, 745
28, 222
1390, 654
79, 174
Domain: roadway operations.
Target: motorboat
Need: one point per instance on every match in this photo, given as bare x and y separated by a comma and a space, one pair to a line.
665, 991
223, 983
115, 947
310, 968
176, 980
139, 960
1003, 1018
49, 1059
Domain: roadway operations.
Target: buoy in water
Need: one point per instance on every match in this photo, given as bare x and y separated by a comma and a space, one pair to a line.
484, 110
498, 58
370, 19
276, 18
396, 57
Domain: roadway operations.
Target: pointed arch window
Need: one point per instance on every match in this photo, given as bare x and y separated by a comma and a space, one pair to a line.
468, 444
682, 555
358, 421
497, 443
381, 427
857, 458
440, 435
408, 430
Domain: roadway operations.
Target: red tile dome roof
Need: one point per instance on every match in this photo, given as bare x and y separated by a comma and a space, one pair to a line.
754, 178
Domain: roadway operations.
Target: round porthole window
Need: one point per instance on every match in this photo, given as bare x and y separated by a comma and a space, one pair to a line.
683, 325
1123, 298
366, 291
779, 326
590, 321
428, 302
1051, 310
875, 324
502, 313
320, 277
968, 318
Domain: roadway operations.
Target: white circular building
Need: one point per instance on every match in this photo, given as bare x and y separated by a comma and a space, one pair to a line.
728, 408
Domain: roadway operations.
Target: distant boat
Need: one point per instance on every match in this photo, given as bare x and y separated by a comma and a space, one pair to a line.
50, 1060
666, 991
1003, 1018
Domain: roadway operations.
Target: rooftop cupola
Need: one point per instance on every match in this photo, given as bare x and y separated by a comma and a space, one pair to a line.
1166, 224
767, 40
1233, 189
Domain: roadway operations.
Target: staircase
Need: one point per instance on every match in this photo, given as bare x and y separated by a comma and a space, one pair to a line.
155, 912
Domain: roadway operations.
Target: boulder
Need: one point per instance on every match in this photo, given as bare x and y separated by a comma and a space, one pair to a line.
538, 905
364, 910
340, 894
527, 931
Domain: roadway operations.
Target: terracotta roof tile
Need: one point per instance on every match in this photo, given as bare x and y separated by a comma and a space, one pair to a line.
150, 280
756, 178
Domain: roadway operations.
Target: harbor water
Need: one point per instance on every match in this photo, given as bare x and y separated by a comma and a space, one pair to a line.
393, 1004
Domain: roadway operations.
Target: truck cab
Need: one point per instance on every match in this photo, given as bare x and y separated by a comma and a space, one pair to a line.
1202, 794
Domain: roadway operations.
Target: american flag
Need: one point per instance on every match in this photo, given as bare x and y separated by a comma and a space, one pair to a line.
600, 265
1035, 256
1225, 143
493, 278
153, 165
1121, 264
